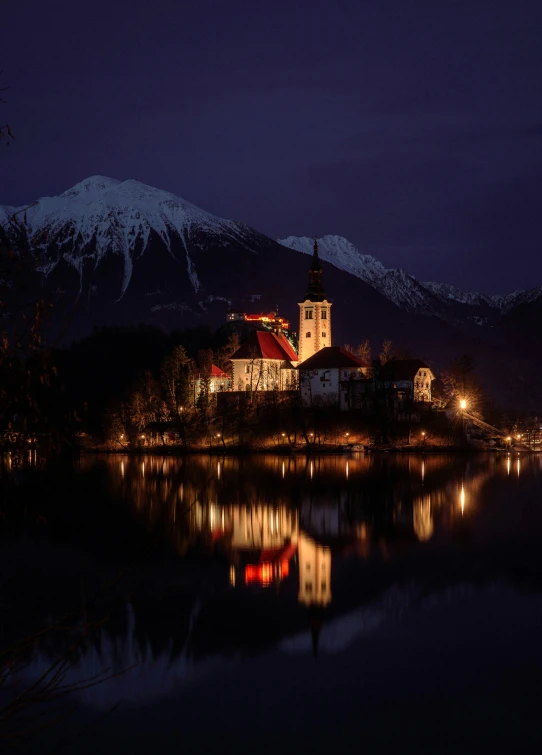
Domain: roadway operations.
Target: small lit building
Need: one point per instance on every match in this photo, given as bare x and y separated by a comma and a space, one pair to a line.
325, 378
217, 381
265, 362
235, 316
406, 380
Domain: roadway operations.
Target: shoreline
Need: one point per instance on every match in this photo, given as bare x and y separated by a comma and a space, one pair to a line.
316, 451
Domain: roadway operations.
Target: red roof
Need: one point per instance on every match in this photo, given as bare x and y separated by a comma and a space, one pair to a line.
332, 357
217, 372
262, 345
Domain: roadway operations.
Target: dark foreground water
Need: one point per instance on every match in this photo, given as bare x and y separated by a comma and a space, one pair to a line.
269, 604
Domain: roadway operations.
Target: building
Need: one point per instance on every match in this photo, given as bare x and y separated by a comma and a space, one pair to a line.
406, 380
325, 378
217, 381
267, 319
314, 313
265, 362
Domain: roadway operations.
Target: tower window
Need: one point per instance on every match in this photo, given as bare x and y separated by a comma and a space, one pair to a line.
308, 314
324, 314
324, 335
308, 334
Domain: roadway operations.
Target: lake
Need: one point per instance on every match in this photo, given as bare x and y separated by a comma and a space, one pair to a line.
264, 603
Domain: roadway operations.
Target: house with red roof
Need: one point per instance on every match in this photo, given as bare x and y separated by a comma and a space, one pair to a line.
216, 379
265, 362
326, 377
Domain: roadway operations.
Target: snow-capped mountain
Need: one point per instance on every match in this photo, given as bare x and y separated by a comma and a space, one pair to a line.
101, 216
399, 286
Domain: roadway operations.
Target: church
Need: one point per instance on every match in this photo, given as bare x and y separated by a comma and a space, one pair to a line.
266, 361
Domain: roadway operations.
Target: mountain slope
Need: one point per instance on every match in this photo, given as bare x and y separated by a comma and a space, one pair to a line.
438, 299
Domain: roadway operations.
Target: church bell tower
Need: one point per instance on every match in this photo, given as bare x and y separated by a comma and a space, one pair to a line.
314, 313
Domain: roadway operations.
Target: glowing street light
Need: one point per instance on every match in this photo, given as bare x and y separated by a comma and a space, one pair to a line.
463, 404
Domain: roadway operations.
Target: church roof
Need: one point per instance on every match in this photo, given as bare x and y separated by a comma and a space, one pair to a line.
332, 357
217, 372
263, 345
401, 369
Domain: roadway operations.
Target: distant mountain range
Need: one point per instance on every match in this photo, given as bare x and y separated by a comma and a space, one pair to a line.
110, 252
401, 288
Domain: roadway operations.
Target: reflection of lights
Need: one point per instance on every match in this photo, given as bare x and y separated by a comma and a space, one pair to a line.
232, 575
462, 498
143, 468
312, 469
122, 468
263, 573
423, 471
218, 470
508, 464
283, 470
347, 470
518, 464
422, 519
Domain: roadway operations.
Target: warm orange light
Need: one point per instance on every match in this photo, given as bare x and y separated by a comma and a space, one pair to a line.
263, 573
463, 403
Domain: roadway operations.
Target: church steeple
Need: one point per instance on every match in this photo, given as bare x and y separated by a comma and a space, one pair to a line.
315, 291
314, 312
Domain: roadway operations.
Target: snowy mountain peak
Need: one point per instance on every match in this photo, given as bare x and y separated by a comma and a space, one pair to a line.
340, 252
92, 184
102, 215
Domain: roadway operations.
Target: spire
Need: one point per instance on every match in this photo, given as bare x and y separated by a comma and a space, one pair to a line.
315, 290
315, 259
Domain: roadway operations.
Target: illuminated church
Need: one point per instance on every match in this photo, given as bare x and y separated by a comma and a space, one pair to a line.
267, 361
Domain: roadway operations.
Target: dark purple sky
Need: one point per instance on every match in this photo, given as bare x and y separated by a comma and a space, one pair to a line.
412, 127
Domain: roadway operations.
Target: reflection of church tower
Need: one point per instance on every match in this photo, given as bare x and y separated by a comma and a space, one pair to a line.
314, 313
314, 572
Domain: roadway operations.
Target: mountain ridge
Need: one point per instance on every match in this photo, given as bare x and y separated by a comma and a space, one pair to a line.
396, 284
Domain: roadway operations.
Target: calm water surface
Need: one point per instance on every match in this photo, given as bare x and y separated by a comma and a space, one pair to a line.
263, 603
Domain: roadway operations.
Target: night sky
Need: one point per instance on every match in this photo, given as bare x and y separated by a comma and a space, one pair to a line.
412, 127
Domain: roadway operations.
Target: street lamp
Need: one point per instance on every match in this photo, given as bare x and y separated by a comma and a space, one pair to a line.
463, 404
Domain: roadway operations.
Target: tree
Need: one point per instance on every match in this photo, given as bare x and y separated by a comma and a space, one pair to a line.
385, 352
175, 373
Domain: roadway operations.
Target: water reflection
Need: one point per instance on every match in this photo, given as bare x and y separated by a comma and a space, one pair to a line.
277, 518
305, 553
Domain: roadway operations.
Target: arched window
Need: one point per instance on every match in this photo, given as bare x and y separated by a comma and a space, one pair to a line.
308, 334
